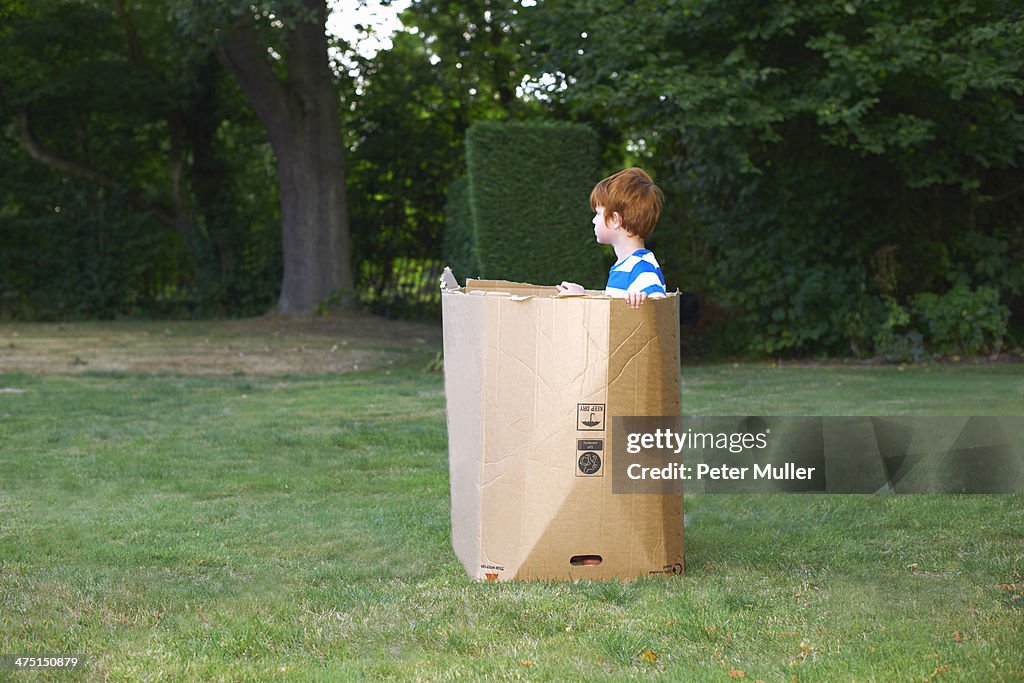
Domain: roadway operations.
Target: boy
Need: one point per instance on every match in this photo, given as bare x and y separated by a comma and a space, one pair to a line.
626, 208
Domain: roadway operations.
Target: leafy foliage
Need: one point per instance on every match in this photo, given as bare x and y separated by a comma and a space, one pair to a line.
799, 138
406, 147
894, 341
459, 239
478, 46
152, 196
795, 141
963, 321
455, 63
529, 185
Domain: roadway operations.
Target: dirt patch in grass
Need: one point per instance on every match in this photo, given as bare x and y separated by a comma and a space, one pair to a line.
268, 345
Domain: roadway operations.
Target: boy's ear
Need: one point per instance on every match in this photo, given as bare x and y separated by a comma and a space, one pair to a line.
616, 219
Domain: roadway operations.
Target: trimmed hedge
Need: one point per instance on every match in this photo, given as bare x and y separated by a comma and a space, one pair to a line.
529, 197
459, 246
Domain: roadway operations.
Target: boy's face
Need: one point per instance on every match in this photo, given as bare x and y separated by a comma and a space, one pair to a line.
604, 231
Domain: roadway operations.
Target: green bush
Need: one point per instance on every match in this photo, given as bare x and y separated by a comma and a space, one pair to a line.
964, 321
459, 245
894, 342
87, 256
529, 190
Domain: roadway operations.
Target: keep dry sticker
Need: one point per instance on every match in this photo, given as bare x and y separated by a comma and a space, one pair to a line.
590, 417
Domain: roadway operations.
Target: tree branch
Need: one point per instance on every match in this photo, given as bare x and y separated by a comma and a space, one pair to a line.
72, 168
134, 46
173, 114
308, 63
246, 58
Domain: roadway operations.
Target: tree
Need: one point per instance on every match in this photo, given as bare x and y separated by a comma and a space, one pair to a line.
150, 74
477, 45
292, 92
800, 139
134, 182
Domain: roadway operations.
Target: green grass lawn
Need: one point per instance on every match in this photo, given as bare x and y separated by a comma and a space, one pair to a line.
174, 527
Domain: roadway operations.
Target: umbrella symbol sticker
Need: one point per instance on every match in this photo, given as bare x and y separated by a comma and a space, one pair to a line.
590, 417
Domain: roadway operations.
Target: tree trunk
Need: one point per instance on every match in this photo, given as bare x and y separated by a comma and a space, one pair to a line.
301, 116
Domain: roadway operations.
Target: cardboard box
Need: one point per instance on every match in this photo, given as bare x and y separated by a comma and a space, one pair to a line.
532, 380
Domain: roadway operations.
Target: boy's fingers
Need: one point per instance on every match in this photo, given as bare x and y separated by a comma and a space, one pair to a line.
634, 299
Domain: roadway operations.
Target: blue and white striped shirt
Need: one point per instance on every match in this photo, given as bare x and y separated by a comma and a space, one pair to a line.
638, 272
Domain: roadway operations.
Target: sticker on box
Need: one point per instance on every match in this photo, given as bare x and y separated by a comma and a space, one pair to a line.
588, 457
590, 417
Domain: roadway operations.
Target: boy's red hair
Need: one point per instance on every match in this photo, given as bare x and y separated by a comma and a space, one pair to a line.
634, 196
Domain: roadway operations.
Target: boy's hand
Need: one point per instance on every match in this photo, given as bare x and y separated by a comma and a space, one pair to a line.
635, 299
570, 288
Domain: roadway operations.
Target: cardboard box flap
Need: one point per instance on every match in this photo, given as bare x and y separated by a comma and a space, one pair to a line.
504, 286
448, 281
520, 290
